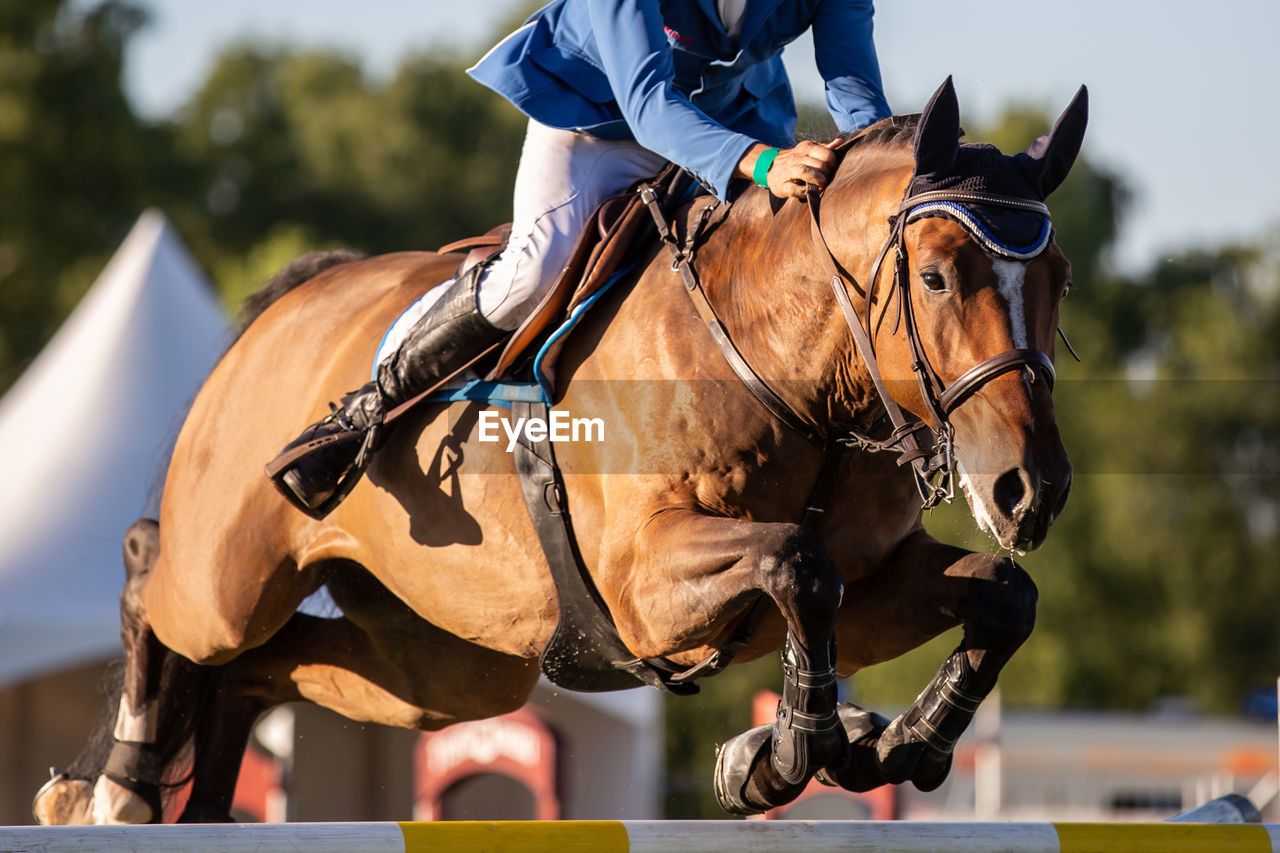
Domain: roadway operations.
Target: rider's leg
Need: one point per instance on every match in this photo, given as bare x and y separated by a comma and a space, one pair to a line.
563, 177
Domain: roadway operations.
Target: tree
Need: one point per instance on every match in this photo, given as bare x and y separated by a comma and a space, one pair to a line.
299, 150
75, 164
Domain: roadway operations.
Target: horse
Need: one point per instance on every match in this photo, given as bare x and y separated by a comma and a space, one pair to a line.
864, 315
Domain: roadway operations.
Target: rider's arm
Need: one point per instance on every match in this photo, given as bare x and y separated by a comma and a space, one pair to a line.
638, 62
639, 65
846, 57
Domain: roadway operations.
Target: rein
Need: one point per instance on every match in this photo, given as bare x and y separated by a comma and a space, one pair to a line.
934, 467
933, 459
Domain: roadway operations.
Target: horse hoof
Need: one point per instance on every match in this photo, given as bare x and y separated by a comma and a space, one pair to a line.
861, 770
902, 759
63, 802
735, 762
141, 546
746, 781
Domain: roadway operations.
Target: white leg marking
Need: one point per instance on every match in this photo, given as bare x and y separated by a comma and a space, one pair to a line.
113, 804
1011, 275
137, 726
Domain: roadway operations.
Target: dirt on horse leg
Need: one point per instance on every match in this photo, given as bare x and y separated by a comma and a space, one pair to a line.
923, 590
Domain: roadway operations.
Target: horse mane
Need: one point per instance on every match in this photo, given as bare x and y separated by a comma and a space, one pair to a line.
894, 130
301, 269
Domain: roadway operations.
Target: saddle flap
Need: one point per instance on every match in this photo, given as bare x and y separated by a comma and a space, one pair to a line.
626, 234
550, 308
479, 249
612, 233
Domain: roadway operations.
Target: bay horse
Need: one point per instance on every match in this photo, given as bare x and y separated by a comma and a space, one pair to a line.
688, 511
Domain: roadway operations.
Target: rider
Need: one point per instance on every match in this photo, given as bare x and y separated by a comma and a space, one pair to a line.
613, 89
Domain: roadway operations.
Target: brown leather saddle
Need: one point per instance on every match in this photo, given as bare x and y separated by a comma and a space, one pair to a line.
619, 227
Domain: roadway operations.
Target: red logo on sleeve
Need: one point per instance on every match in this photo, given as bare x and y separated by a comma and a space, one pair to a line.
675, 35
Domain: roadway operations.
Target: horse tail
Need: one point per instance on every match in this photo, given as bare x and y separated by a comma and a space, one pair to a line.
298, 271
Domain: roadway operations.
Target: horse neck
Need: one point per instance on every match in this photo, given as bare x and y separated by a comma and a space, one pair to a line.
773, 292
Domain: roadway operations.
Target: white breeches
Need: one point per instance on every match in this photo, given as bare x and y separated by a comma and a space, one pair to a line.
563, 177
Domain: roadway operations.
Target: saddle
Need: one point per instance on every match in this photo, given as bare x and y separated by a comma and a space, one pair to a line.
619, 227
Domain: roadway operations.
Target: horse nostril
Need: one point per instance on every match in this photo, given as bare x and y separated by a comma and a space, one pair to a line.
1013, 491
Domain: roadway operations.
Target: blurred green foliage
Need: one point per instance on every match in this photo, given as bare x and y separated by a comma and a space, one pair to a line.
281, 151
1162, 577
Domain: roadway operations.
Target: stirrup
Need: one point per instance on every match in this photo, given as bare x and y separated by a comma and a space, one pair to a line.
282, 464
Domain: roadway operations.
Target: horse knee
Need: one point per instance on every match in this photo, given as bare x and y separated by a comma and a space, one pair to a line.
1002, 605
793, 568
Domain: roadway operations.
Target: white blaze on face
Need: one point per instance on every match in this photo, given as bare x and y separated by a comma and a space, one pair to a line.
1011, 275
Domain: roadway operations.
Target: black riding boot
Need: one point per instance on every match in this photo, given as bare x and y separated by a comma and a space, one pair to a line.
449, 335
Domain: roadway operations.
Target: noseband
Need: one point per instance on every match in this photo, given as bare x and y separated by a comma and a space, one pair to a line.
934, 460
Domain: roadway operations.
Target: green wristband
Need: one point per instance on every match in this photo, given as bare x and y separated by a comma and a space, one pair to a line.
760, 174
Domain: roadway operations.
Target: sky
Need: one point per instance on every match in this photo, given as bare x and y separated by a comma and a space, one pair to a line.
1182, 95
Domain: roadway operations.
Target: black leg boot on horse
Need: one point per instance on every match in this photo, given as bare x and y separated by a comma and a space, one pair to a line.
319, 468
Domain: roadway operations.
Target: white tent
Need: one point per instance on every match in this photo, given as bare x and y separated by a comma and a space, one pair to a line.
86, 433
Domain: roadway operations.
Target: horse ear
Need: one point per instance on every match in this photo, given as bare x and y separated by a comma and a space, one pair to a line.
938, 133
1053, 154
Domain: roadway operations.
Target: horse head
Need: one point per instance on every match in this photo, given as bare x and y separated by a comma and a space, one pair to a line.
960, 314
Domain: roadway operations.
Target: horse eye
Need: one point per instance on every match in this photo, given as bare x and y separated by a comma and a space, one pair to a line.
933, 282
1067, 288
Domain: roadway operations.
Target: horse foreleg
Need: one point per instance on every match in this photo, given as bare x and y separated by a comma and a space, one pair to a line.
924, 589
718, 563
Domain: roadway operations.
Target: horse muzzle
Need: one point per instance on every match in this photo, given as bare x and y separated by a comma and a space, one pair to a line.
1020, 503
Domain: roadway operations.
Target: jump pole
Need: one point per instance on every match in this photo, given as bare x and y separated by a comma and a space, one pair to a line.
726, 836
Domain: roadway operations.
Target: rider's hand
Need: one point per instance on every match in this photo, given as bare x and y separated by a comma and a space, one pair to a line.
794, 170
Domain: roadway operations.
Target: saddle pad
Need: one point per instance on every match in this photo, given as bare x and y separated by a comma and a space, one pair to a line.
506, 392
503, 394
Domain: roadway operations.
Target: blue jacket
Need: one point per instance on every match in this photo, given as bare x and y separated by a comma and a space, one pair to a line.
666, 74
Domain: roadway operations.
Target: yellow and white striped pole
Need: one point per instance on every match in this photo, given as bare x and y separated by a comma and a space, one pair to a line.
727, 836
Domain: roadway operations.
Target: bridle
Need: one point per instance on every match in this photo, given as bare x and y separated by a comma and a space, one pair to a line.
933, 461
